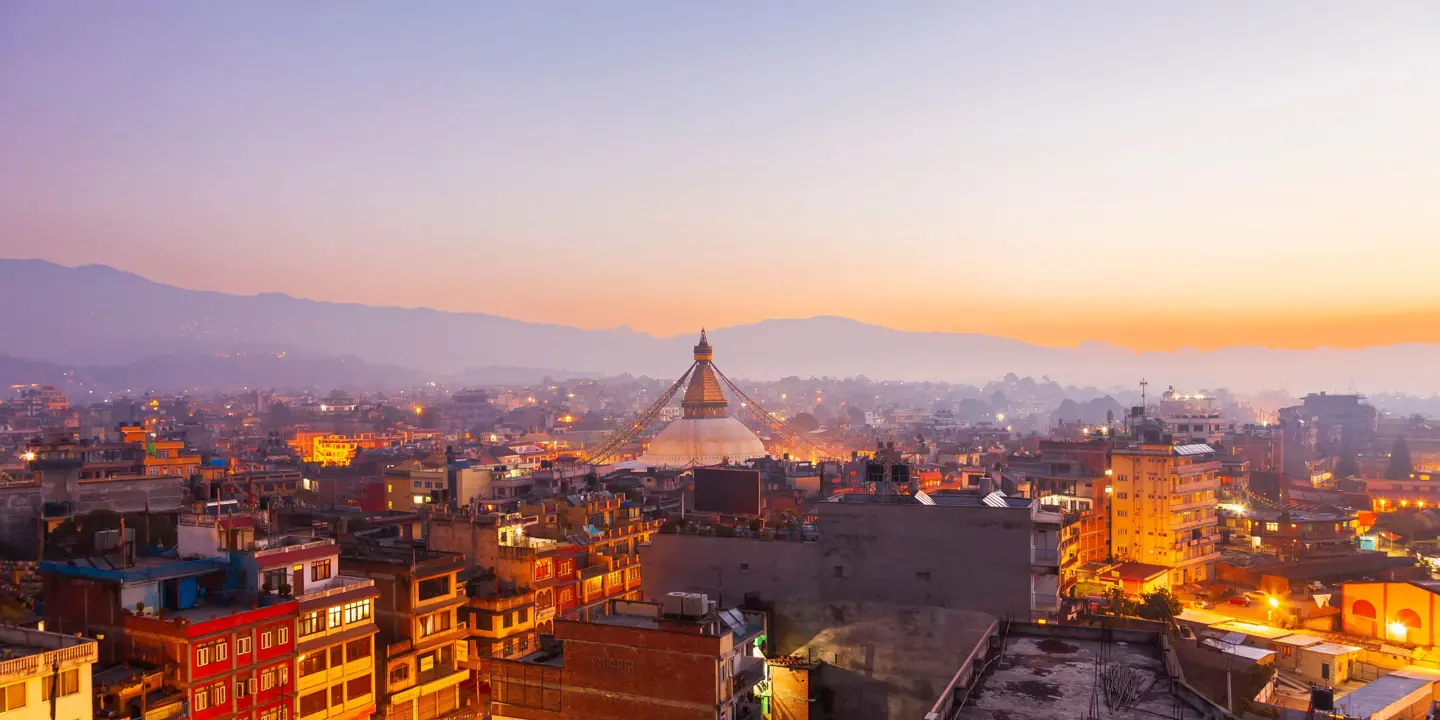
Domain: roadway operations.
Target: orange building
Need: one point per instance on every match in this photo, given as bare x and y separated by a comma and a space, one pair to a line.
1392, 611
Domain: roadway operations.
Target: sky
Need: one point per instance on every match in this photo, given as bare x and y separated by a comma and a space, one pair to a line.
1154, 175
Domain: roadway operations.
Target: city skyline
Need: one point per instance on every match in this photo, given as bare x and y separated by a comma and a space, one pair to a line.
1150, 177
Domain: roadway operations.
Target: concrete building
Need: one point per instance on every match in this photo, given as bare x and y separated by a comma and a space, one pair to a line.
1195, 418
234, 661
994, 554
426, 643
681, 659
45, 675
1163, 508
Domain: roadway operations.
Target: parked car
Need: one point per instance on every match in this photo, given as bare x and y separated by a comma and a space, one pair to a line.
1203, 604
1242, 600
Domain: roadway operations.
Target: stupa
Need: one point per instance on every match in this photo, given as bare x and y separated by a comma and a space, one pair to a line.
705, 434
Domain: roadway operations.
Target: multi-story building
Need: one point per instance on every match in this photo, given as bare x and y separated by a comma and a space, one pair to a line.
1163, 508
41, 399
417, 613
334, 628
896, 549
95, 595
414, 484
137, 455
1197, 418
501, 618
338, 450
682, 658
45, 675
230, 661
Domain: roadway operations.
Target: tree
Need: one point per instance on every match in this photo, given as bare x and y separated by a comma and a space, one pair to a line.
804, 422
1400, 466
1159, 605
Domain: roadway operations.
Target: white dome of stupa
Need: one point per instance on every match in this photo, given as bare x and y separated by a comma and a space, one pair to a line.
705, 434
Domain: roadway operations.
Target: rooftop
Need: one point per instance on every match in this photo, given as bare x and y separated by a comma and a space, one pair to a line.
143, 568
1036, 677
28, 652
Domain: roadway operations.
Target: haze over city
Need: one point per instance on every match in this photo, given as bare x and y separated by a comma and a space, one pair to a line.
752, 360
1151, 175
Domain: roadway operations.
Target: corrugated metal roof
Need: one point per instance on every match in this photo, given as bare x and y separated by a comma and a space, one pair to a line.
995, 499
1196, 449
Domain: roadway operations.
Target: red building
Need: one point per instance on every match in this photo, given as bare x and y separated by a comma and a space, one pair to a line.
230, 662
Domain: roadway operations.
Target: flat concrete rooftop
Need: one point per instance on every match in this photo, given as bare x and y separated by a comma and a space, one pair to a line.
1048, 678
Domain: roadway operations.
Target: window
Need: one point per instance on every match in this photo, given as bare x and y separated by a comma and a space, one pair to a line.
204, 655
484, 621
266, 640
242, 689
312, 703
508, 620
1124, 495
337, 655
311, 623
567, 567
523, 615
358, 687
335, 616
567, 595
923, 575
242, 645
544, 568
337, 694
433, 588
357, 611
275, 578
219, 693
222, 650
1272, 527
267, 680
839, 571
357, 650
312, 663
202, 699
437, 622
282, 635
744, 566
399, 673
320, 570
12, 697
282, 674
69, 684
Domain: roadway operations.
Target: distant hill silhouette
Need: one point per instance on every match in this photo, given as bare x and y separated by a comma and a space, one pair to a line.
95, 316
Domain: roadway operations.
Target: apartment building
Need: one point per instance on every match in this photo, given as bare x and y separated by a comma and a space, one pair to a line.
417, 613
501, 617
1163, 508
45, 675
229, 661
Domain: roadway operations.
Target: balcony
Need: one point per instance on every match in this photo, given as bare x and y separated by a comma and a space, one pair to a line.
336, 585
1044, 556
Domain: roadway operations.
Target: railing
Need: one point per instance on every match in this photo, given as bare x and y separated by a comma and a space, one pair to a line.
351, 583
1041, 556
287, 548
43, 661
1044, 602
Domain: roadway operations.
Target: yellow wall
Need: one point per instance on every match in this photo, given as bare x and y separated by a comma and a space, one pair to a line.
1390, 599
75, 706
1156, 503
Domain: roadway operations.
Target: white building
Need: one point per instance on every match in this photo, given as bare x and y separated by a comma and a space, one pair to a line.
38, 665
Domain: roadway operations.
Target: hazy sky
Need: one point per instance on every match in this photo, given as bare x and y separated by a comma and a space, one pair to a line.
1153, 174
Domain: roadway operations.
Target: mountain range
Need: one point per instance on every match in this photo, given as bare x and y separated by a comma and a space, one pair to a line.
96, 320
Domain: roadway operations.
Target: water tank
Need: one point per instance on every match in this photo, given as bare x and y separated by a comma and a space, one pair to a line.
673, 603
696, 605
